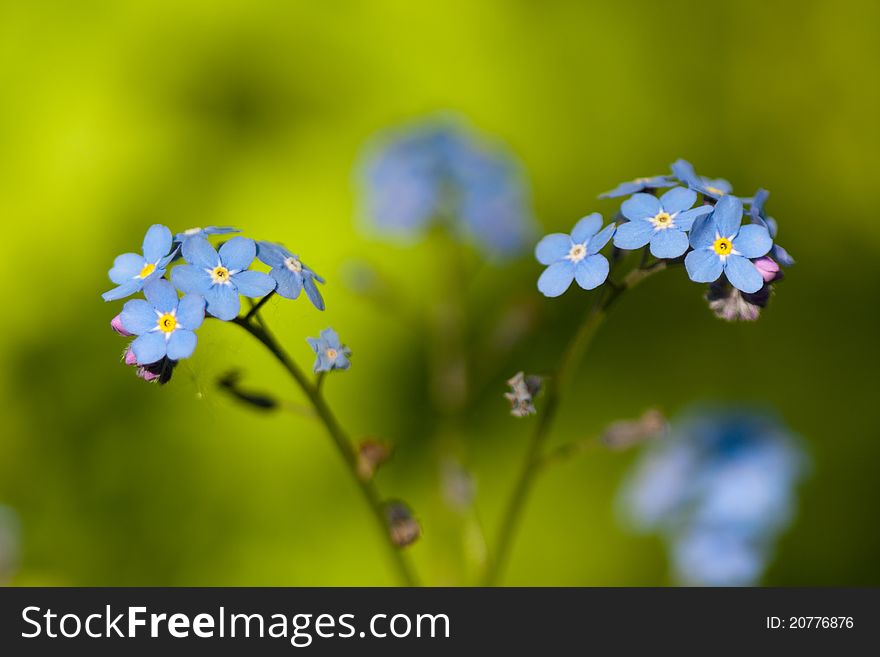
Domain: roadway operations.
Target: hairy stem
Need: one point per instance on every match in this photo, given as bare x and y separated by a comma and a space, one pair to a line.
556, 387
340, 439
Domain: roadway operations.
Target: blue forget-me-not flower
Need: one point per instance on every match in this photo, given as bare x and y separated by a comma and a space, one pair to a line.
712, 187
290, 273
723, 245
720, 488
662, 222
204, 232
639, 185
574, 257
164, 325
331, 353
221, 277
131, 271
756, 212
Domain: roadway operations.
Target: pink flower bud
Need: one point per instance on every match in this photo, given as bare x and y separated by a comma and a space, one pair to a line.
146, 374
116, 325
129, 357
768, 268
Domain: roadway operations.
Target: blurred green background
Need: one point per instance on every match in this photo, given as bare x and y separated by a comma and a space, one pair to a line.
115, 116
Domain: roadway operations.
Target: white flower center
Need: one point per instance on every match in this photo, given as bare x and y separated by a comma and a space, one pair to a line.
663, 220
293, 265
192, 231
577, 253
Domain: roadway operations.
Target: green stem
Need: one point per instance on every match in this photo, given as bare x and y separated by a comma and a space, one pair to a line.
556, 388
255, 308
339, 437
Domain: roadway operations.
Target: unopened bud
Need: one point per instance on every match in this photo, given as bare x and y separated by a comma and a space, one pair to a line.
768, 268
523, 390
128, 357
371, 453
116, 325
626, 433
402, 526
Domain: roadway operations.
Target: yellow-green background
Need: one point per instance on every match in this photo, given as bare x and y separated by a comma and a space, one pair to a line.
117, 115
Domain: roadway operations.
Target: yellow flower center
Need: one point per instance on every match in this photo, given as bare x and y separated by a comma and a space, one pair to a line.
293, 265
220, 274
148, 269
332, 353
715, 190
722, 246
662, 220
167, 323
578, 252
641, 181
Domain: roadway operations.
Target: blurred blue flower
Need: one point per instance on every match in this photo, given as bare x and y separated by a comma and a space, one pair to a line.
440, 172
331, 353
722, 244
290, 274
131, 271
639, 185
711, 187
662, 222
164, 324
720, 488
756, 211
204, 232
221, 277
574, 257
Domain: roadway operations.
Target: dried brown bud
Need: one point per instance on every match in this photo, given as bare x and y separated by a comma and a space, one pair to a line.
626, 433
523, 390
371, 453
403, 527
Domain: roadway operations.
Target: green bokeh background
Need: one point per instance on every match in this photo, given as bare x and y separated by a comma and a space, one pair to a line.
116, 115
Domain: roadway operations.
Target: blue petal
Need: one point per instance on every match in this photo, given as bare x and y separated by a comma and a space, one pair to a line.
772, 226
138, 316
221, 230
684, 171
157, 243
753, 241
685, 220
191, 311
125, 267
742, 274
623, 189
728, 215
199, 252
556, 279
553, 247
703, 231
161, 294
600, 239
223, 301
313, 293
591, 272
181, 344
759, 199
668, 243
289, 283
782, 256
341, 362
190, 279
633, 234
253, 284
640, 206
270, 254
238, 253
703, 266
585, 228
122, 291
149, 348
331, 338
678, 199
316, 344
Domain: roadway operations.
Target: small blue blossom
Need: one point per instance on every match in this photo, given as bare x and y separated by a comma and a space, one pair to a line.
164, 325
723, 245
290, 273
204, 232
712, 187
439, 172
639, 185
131, 271
331, 353
221, 277
662, 222
720, 488
574, 257
756, 211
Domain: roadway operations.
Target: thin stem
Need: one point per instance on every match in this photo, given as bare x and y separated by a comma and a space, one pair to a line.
556, 388
255, 308
339, 437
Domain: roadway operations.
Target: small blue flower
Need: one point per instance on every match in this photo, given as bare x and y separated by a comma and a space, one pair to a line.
331, 354
711, 187
131, 271
290, 273
662, 222
722, 244
164, 325
574, 257
204, 232
756, 211
220, 278
639, 185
